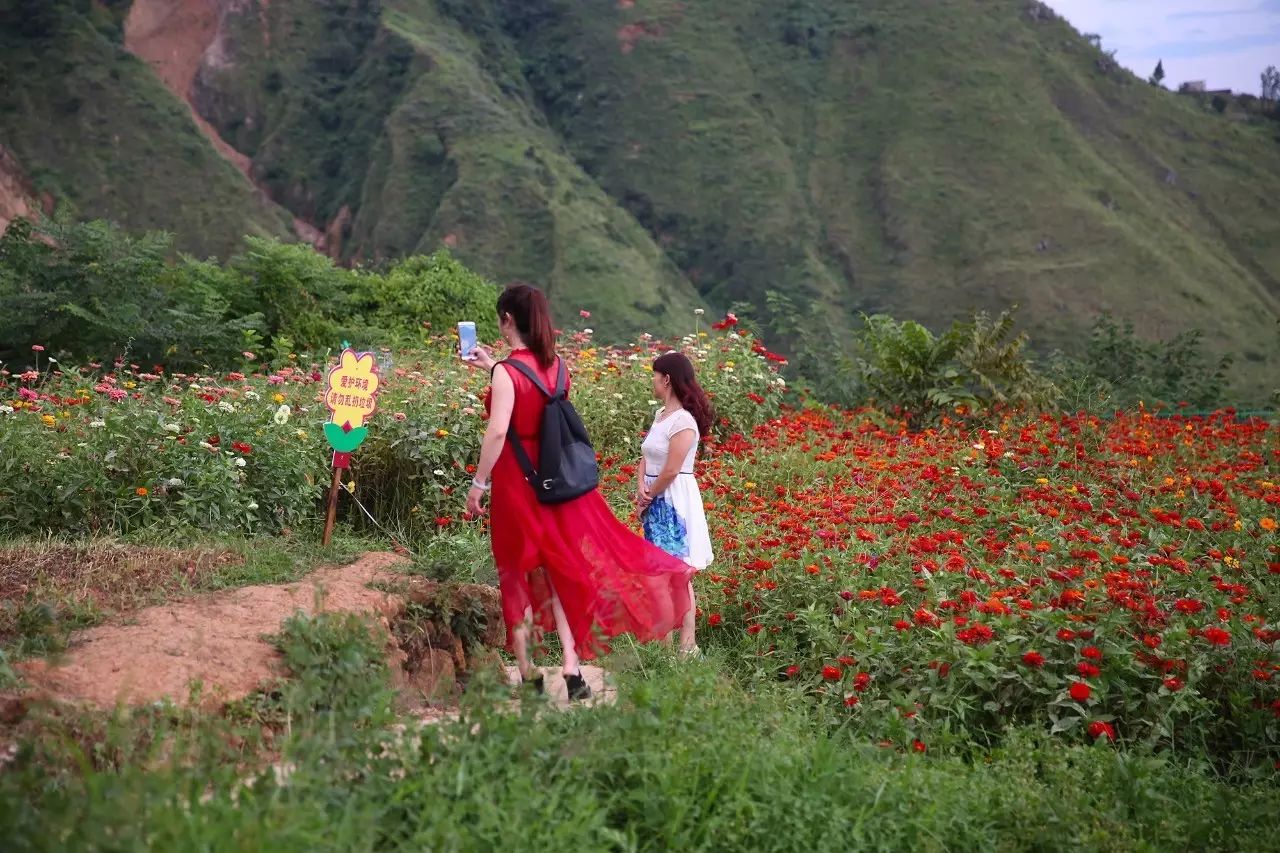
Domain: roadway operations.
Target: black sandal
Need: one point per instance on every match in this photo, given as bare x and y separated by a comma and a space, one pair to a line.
577, 687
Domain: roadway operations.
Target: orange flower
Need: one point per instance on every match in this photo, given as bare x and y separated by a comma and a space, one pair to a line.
141, 491
1268, 523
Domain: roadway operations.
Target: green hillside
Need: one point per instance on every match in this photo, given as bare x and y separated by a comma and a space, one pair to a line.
643, 157
93, 127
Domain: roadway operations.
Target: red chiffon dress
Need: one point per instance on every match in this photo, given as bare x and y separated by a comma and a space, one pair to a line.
610, 581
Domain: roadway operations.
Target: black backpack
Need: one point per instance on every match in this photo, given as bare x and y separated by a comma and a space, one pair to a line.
566, 461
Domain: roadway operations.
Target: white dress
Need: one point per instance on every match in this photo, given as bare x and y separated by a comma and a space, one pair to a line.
676, 521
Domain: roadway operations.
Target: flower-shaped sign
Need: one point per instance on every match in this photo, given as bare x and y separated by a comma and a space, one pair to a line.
351, 397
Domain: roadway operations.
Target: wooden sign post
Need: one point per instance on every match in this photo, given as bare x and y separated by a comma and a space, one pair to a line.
351, 398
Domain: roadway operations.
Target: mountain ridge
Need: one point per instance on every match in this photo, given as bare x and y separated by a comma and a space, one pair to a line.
646, 157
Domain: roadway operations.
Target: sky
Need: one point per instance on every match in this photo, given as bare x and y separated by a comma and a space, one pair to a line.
1226, 43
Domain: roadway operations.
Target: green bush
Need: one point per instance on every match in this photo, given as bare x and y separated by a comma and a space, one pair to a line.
88, 291
1119, 370
425, 295
976, 364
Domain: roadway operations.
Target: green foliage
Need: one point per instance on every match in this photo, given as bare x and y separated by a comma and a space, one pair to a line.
749, 772
978, 365
339, 678
89, 291
1118, 369
426, 295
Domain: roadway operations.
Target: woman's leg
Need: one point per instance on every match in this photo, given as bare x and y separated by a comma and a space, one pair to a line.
566, 634
688, 642
520, 639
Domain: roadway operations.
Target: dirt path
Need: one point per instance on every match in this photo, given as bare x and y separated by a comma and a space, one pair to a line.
216, 641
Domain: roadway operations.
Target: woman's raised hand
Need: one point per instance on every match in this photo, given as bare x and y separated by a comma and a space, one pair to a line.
482, 358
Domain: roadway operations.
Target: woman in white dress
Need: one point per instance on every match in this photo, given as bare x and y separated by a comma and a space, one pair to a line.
667, 494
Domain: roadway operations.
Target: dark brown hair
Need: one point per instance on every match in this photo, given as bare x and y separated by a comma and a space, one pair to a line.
677, 367
529, 310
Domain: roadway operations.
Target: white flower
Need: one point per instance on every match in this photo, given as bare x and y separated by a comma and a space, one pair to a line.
439, 472
281, 417
52, 360
174, 428
206, 445
224, 406
253, 505
97, 424
173, 482
239, 461
617, 396
699, 311
979, 446
6, 410
251, 395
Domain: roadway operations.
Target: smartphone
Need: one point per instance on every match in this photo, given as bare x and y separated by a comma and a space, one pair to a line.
467, 340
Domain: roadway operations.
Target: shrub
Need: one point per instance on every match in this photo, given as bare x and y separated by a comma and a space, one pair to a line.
1119, 370
425, 295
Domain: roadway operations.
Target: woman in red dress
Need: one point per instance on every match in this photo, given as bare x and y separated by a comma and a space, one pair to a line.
572, 566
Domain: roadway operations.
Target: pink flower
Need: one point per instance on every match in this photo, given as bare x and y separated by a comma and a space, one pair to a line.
586, 315
37, 348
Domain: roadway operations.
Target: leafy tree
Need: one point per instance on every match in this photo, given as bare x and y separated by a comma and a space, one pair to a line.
1271, 85
1157, 76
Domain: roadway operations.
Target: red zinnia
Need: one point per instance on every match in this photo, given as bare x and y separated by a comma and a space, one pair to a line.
918, 746
1217, 636
1098, 729
832, 673
1033, 659
1087, 669
714, 619
1173, 684
1066, 635
1092, 652
1080, 691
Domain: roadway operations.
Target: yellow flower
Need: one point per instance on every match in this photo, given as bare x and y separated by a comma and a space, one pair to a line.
351, 487
750, 484
301, 434
1042, 481
442, 433
48, 420
279, 398
131, 384
1237, 525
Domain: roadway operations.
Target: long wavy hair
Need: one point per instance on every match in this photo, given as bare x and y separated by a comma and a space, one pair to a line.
684, 383
528, 308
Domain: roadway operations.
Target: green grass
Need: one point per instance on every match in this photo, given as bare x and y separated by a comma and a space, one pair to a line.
683, 761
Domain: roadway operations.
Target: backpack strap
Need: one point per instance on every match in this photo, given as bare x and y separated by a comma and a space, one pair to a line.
526, 464
532, 376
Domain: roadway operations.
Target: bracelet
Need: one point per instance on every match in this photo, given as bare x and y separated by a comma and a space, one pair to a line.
476, 484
